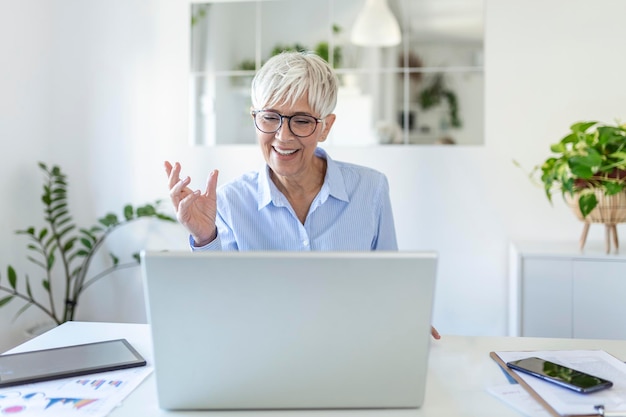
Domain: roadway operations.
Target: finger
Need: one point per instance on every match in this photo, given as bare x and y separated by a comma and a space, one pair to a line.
174, 175
189, 199
168, 167
435, 333
180, 190
211, 183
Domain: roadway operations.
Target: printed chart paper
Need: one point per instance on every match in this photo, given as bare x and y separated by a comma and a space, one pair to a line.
94, 395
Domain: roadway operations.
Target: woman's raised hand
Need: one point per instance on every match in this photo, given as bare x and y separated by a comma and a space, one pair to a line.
195, 210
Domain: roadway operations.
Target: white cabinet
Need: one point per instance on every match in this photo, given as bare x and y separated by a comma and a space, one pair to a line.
558, 291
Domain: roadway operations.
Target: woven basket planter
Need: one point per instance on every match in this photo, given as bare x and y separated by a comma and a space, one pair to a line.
610, 211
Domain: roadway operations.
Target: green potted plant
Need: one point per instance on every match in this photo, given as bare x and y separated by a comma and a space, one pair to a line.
590, 158
64, 252
588, 168
435, 94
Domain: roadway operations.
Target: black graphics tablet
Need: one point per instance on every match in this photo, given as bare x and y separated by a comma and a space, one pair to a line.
67, 361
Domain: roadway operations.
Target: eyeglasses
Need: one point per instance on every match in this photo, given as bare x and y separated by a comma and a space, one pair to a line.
301, 125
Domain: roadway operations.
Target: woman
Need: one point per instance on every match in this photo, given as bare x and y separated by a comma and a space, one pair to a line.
301, 199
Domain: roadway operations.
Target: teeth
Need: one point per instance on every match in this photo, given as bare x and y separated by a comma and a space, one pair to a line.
282, 152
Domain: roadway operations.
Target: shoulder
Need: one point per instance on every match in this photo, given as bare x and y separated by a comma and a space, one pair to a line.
245, 184
350, 171
363, 175
349, 167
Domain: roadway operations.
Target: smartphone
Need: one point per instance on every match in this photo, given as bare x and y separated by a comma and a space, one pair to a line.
67, 361
560, 375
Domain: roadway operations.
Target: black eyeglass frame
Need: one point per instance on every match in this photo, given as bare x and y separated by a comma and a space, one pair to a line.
282, 117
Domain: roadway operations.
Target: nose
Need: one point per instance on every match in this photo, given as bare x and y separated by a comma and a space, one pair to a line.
284, 131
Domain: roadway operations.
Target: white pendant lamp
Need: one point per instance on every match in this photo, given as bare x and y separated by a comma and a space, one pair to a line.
376, 25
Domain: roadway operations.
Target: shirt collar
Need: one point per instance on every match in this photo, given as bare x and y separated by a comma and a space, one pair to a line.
334, 184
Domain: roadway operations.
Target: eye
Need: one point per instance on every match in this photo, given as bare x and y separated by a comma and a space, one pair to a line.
270, 117
303, 120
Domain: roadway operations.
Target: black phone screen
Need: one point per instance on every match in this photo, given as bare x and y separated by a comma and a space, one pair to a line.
561, 375
48, 364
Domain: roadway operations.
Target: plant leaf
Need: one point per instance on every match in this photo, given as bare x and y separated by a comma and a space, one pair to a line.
51, 259
147, 210
59, 215
28, 289
558, 147
165, 217
86, 243
610, 135
96, 229
5, 300
619, 155
612, 188
109, 220
22, 310
36, 261
582, 126
128, 212
587, 202
29, 231
12, 277
583, 165
571, 138
65, 220
65, 231
68, 245
89, 234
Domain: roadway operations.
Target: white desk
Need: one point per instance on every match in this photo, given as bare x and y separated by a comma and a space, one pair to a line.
460, 370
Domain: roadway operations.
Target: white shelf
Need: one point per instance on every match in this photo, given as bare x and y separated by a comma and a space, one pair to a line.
558, 291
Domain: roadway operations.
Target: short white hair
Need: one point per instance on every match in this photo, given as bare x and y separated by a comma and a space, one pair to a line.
287, 77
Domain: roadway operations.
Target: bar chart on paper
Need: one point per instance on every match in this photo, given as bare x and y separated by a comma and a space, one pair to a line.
100, 384
92, 395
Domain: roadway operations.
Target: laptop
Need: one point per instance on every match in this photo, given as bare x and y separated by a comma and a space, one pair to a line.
289, 330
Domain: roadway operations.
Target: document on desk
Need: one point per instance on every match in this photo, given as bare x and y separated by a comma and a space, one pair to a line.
517, 397
94, 395
559, 401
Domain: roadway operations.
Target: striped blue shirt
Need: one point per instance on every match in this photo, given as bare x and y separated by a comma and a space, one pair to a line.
352, 212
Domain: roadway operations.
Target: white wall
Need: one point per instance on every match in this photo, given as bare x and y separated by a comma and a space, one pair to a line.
100, 88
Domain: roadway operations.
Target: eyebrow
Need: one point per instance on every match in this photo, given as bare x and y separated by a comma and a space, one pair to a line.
298, 113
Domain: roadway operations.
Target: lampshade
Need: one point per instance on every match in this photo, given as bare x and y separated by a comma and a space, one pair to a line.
376, 25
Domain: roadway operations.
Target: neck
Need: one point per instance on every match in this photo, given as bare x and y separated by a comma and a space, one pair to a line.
305, 185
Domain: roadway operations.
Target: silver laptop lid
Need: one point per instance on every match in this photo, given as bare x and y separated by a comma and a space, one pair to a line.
268, 330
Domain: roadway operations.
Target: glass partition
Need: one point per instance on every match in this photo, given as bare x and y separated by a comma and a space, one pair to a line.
426, 90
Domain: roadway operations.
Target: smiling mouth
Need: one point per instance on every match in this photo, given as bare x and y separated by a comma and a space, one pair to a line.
285, 152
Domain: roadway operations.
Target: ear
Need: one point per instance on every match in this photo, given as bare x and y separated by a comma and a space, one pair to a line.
328, 123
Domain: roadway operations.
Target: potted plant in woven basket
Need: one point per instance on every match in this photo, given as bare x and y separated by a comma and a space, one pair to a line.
588, 168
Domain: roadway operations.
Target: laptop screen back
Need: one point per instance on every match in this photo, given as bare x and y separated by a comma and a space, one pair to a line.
268, 330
